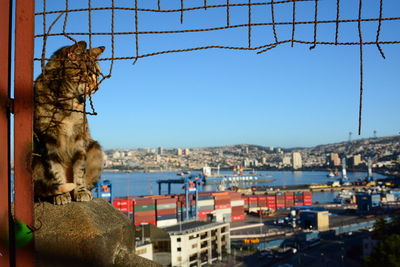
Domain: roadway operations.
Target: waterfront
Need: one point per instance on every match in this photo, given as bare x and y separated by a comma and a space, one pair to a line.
137, 183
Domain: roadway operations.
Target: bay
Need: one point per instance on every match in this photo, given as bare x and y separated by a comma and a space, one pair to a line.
139, 184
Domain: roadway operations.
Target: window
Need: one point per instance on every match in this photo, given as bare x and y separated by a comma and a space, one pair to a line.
178, 239
179, 258
179, 249
194, 246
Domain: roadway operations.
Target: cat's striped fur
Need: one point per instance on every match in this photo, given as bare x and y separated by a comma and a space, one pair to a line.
67, 162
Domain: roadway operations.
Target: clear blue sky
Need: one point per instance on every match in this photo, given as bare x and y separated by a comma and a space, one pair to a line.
285, 97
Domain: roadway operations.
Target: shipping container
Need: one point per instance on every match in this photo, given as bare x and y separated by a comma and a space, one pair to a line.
207, 197
237, 209
207, 207
165, 223
166, 206
166, 217
208, 202
166, 201
123, 205
239, 202
144, 208
225, 206
143, 201
237, 218
204, 212
165, 212
145, 213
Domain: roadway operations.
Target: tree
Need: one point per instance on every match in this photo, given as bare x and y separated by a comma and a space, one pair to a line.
387, 253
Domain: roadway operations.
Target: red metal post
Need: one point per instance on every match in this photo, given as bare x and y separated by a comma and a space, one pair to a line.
23, 121
5, 69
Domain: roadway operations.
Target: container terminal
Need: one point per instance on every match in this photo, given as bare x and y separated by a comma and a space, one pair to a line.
202, 228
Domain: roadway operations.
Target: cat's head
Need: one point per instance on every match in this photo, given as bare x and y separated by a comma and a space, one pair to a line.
76, 68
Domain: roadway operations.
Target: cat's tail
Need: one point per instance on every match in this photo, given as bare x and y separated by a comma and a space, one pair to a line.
94, 164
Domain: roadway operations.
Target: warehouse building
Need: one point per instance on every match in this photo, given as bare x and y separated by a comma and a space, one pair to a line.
313, 219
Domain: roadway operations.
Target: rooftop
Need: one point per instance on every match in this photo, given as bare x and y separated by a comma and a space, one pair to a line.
190, 226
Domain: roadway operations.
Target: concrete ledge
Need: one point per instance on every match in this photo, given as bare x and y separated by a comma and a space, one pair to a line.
84, 234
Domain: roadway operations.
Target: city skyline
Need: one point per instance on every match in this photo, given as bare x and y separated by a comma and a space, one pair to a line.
246, 144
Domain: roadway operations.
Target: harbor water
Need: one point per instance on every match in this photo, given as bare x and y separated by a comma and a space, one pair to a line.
139, 184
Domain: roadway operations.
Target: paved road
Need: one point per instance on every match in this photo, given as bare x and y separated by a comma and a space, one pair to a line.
330, 253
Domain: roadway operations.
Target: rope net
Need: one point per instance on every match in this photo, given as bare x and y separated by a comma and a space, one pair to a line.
134, 30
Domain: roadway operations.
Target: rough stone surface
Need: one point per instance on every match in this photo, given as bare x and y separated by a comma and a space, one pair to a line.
84, 234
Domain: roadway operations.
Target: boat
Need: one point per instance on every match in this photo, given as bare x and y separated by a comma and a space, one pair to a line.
345, 196
333, 173
330, 174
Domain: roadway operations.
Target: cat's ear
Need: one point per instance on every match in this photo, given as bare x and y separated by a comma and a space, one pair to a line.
77, 49
96, 52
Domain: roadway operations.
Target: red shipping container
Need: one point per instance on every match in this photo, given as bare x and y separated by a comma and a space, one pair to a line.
145, 213
235, 195
289, 193
204, 212
144, 219
222, 201
307, 193
238, 209
165, 201
143, 201
289, 204
225, 206
124, 205
166, 212
262, 204
280, 205
237, 218
299, 204
201, 194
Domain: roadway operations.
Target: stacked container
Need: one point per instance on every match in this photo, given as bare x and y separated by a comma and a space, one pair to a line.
298, 199
253, 202
262, 201
237, 207
271, 202
280, 201
205, 205
307, 198
289, 199
166, 211
222, 205
246, 202
125, 206
144, 211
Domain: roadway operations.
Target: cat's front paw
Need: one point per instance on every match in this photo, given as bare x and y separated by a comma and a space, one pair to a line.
62, 199
82, 195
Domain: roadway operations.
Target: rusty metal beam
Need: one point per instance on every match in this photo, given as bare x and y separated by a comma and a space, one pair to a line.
5, 89
23, 122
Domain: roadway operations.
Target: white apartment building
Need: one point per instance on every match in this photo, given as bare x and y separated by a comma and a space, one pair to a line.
297, 162
193, 243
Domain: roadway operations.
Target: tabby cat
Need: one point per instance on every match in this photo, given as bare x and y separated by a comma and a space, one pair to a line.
66, 162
